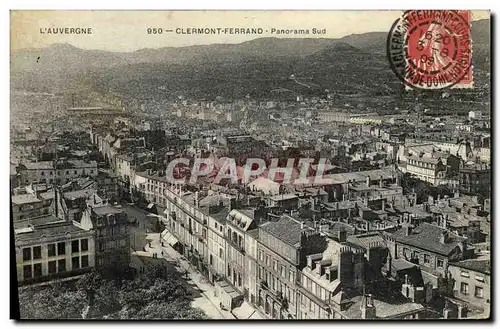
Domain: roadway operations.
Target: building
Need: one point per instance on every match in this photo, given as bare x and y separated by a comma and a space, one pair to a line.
217, 242
48, 247
428, 246
28, 205
473, 282
238, 222
475, 179
282, 249
111, 235
107, 185
57, 172
325, 279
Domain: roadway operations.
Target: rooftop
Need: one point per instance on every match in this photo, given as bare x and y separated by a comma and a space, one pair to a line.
106, 210
367, 240
43, 226
40, 165
478, 265
285, 229
24, 199
427, 236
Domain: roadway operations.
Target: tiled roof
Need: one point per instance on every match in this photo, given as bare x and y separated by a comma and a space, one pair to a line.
367, 240
286, 229
482, 266
426, 236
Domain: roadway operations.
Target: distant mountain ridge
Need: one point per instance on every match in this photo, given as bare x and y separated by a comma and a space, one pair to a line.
257, 65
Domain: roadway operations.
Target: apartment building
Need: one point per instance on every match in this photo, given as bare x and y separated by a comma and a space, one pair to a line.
48, 247
472, 281
28, 205
109, 225
58, 172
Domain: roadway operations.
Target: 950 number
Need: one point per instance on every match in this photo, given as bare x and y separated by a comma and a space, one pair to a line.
154, 30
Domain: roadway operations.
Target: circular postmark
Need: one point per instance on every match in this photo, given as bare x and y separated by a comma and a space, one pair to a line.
431, 49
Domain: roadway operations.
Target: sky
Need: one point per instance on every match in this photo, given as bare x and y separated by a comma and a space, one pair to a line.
127, 30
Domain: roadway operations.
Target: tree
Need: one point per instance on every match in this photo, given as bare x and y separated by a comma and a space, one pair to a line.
153, 295
51, 302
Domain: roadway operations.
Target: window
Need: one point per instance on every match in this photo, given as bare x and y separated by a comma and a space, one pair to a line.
478, 292
76, 172
75, 246
101, 246
37, 270
261, 255
75, 263
61, 265
440, 263
465, 274
51, 249
239, 280
268, 260
67, 172
291, 276
275, 265
52, 267
61, 248
37, 252
211, 260
27, 254
221, 252
229, 271
84, 244
464, 288
427, 259
261, 270
27, 272
43, 173
85, 261
283, 271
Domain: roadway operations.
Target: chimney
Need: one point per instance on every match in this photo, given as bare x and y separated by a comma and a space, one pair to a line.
445, 221
197, 199
383, 204
381, 182
389, 264
444, 237
456, 194
302, 225
407, 230
56, 202
368, 181
368, 310
342, 235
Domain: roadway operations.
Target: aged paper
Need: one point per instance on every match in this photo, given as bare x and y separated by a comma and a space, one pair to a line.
251, 164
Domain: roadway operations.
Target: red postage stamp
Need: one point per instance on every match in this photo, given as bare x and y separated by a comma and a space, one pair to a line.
432, 49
